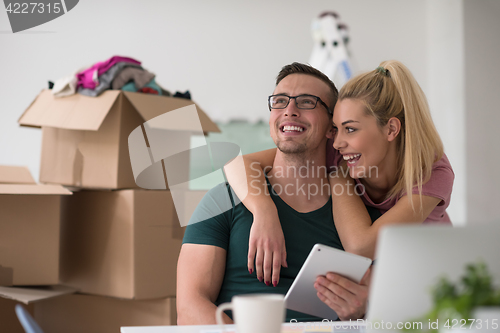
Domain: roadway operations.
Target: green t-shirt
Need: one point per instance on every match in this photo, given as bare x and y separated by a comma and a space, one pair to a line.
225, 222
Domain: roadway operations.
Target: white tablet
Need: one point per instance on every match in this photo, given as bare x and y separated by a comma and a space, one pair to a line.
302, 296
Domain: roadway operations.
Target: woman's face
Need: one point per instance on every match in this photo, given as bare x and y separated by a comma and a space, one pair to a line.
363, 144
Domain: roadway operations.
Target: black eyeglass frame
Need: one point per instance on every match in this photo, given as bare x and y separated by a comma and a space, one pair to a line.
318, 99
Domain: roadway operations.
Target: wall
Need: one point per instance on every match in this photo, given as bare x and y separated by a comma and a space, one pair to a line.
446, 87
482, 87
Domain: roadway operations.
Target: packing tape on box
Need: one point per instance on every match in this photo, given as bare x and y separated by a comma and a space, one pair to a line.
160, 155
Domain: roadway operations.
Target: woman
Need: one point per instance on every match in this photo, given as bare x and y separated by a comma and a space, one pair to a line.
385, 137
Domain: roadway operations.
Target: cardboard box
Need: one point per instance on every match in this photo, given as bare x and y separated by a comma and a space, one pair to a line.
58, 309
84, 139
97, 314
122, 243
29, 229
8, 319
10, 297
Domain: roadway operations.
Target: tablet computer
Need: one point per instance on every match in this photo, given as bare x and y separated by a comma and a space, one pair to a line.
302, 296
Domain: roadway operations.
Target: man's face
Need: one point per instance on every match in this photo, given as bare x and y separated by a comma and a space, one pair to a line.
297, 131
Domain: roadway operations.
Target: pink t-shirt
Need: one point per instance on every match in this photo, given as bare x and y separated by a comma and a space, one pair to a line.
88, 77
439, 186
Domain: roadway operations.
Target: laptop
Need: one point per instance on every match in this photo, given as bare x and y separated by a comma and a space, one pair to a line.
411, 259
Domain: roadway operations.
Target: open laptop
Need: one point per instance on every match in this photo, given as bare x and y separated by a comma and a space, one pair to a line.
411, 259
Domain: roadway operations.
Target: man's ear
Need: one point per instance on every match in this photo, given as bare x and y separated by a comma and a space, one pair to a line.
330, 132
393, 128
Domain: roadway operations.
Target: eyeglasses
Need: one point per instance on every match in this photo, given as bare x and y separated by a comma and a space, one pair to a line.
306, 102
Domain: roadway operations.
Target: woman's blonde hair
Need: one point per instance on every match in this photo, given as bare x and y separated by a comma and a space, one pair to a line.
392, 91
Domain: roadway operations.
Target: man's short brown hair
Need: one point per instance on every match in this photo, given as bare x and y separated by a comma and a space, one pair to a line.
299, 68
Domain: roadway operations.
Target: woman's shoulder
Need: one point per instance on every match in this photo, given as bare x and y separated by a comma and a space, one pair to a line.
443, 163
440, 183
442, 174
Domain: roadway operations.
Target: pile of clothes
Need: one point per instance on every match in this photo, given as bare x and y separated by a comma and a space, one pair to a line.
119, 73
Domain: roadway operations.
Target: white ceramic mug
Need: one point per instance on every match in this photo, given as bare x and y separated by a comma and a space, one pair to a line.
263, 313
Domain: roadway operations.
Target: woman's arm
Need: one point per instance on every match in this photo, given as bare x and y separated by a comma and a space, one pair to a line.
353, 223
266, 246
250, 186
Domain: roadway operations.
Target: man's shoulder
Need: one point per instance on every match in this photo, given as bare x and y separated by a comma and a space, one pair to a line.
222, 194
219, 189
218, 200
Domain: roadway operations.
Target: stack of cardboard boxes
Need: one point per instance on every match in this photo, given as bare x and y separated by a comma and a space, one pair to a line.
116, 244
29, 239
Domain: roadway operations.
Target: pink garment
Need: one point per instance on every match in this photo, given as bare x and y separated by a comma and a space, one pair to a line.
89, 77
439, 186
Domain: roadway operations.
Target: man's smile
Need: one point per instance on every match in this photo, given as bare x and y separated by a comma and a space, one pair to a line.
289, 128
292, 128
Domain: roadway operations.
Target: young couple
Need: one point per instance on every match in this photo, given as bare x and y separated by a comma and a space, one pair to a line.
384, 135
376, 133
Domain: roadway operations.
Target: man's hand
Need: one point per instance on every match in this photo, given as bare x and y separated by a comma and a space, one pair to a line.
347, 298
266, 247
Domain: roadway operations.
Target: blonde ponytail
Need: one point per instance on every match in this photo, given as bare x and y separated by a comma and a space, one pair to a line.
392, 91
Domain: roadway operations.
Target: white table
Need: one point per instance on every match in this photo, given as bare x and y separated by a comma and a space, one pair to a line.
337, 327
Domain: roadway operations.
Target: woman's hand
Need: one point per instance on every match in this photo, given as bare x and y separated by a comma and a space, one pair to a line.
266, 247
266, 244
347, 298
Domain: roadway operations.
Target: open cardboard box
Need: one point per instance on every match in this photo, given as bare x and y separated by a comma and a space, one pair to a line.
29, 229
79, 313
9, 297
85, 139
122, 243
8, 319
58, 310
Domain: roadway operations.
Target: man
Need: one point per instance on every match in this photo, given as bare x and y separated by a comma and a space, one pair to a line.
212, 264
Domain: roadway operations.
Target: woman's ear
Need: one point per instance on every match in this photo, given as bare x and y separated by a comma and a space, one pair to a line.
393, 128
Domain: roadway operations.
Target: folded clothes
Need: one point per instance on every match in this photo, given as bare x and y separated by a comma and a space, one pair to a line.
140, 77
66, 86
186, 95
90, 77
115, 73
107, 78
147, 90
151, 84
